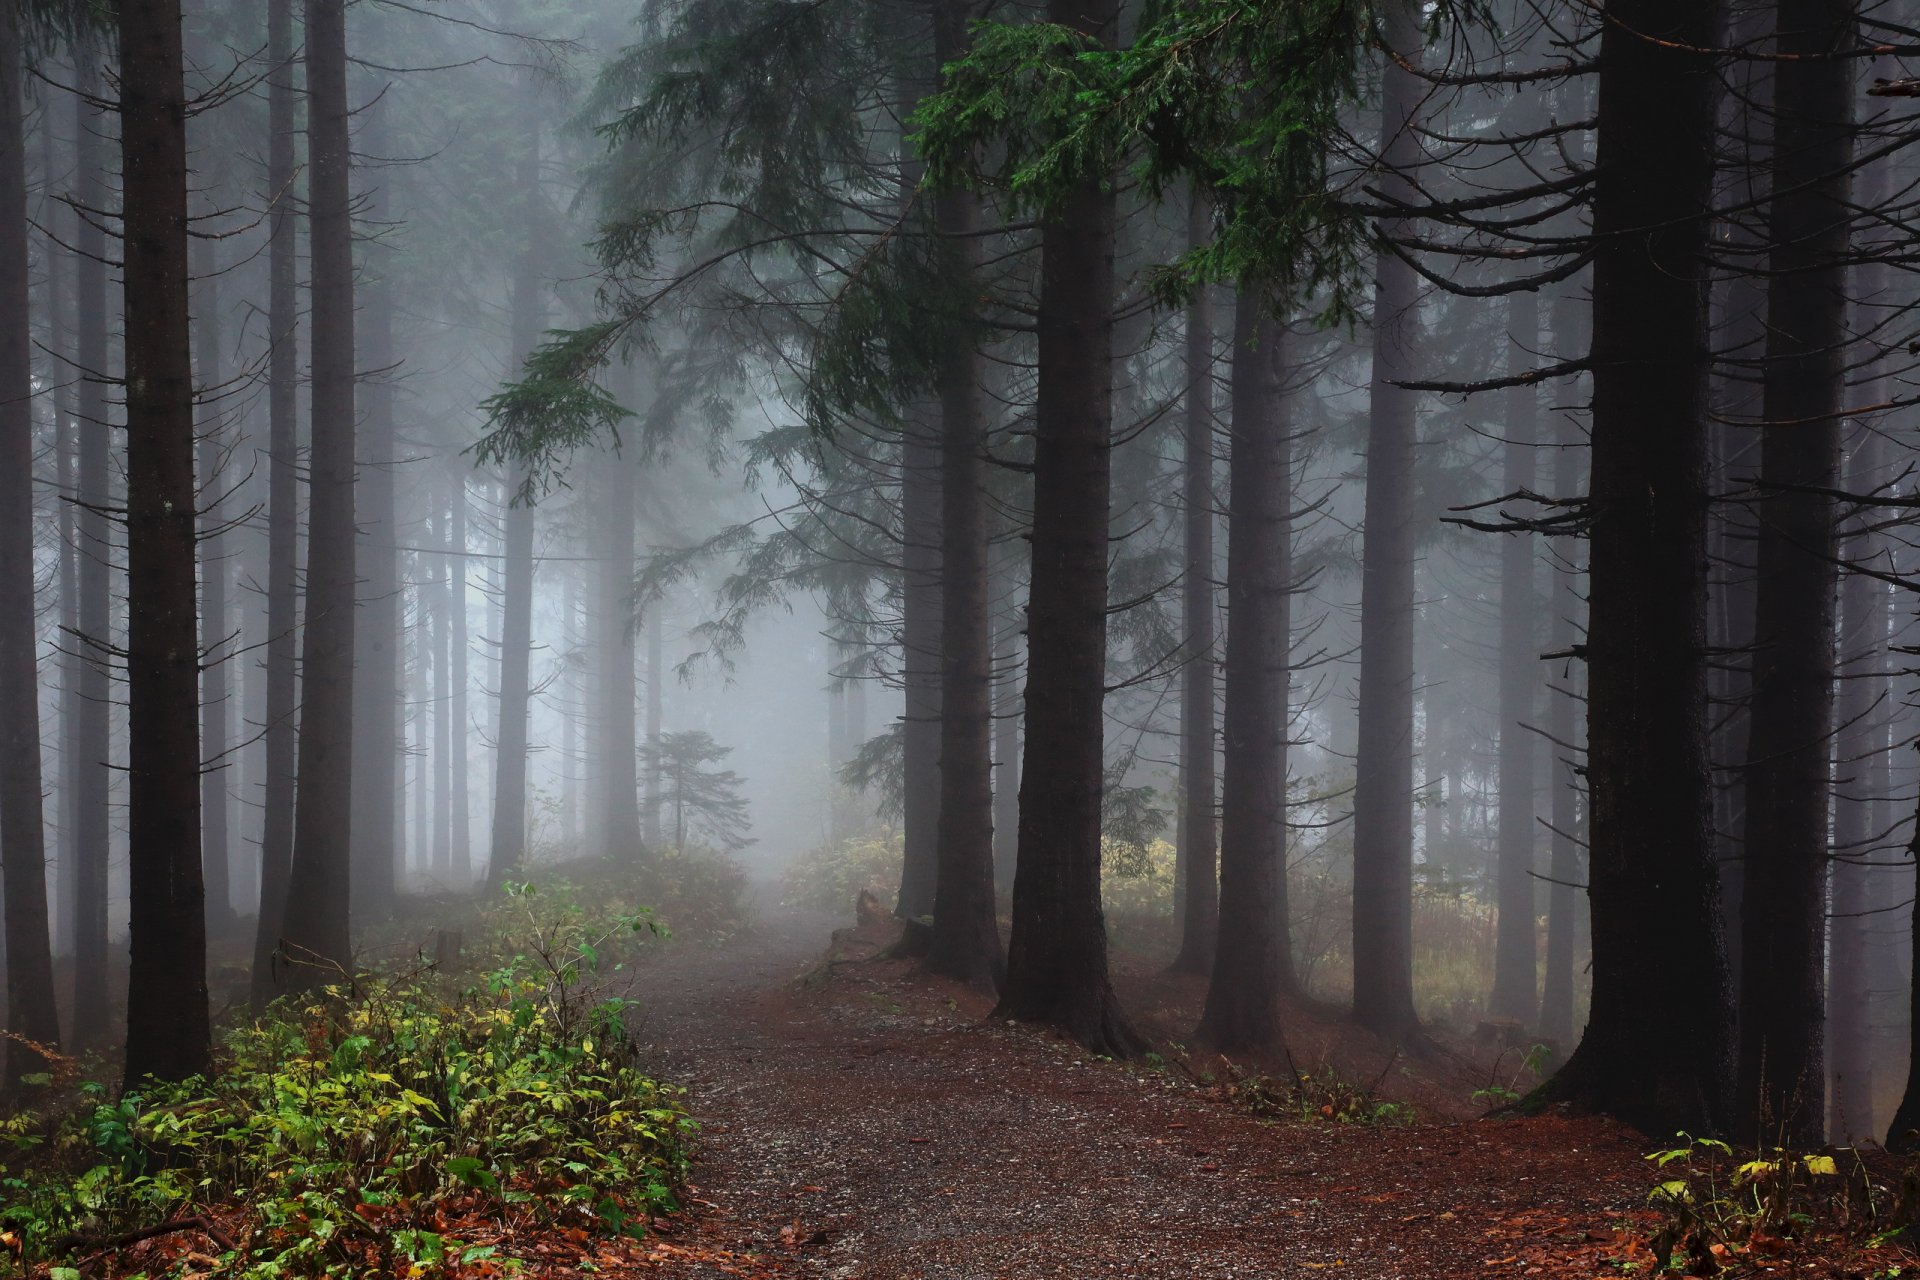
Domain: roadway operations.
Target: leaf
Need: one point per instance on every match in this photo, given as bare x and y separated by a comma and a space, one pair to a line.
473, 1173
1821, 1166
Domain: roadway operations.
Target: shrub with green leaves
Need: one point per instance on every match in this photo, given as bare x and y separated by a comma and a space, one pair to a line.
348, 1130
829, 877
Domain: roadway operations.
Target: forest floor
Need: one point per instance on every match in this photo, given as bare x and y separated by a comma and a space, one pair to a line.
862, 1120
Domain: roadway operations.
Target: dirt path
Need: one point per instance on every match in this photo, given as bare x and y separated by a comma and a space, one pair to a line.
868, 1123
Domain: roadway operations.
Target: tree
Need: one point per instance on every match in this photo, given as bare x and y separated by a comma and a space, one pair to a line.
920, 659
1253, 964
527, 316
1199, 886
283, 516
1657, 951
1783, 925
1383, 769
617, 751
1515, 982
31, 1013
315, 939
93, 745
700, 800
168, 1033
215, 859
1057, 953
966, 929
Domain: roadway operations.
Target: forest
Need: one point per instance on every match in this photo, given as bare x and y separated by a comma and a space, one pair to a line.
929, 638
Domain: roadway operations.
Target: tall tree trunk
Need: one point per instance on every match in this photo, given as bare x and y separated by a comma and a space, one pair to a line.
60, 366
445, 732
215, 735
966, 928
1198, 874
920, 635
283, 507
1006, 734
319, 885
656, 674
527, 315
379, 782
1383, 768
1782, 1076
1057, 955
459, 801
1657, 954
1515, 990
168, 1033
31, 1012
1859, 740
619, 709
1254, 962
95, 551
1563, 708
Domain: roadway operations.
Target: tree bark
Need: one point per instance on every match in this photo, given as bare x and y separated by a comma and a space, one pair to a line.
1383, 767
1782, 1075
509, 849
95, 552
31, 1012
920, 636
1655, 1052
445, 732
656, 675
168, 1032
1198, 874
379, 781
459, 801
618, 766
1515, 982
315, 939
283, 508
966, 930
1057, 955
215, 732
1860, 737
1564, 903
1253, 963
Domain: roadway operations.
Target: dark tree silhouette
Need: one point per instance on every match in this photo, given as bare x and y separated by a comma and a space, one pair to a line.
168, 1034
318, 948
1657, 951
1057, 953
23, 856
1253, 963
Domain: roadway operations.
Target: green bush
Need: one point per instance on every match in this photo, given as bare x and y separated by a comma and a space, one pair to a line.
347, 1129
830, 877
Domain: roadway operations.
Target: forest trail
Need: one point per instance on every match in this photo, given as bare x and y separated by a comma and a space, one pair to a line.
863, 1121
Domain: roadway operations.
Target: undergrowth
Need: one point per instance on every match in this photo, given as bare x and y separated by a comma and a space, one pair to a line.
1720, 1211
364, 1130
1321, 1094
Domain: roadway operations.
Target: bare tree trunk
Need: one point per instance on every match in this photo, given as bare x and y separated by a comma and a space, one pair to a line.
1860, 738
1383, 769
168, 1034
379, 782
315, 937
440, 856
656, 674
1782, 1077
60, 371
1657, 955
1057, 955
215, 735
95, 551
31, 1011
1563, 711
1197, 879
1515, 989
921, 624
618, 763
509, 849
1006, 732
459, 800
283, 508
1254, 961
966, 930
